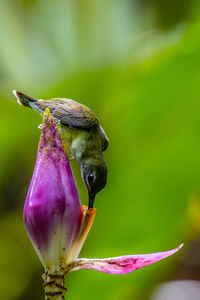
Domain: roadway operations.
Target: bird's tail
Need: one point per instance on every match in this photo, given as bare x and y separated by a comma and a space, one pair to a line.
24, 99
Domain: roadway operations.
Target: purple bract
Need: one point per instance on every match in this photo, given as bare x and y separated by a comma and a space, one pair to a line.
52, 211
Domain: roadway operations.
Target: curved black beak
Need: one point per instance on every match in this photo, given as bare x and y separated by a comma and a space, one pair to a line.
91, 200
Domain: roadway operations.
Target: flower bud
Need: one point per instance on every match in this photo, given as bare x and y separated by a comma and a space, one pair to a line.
52, 212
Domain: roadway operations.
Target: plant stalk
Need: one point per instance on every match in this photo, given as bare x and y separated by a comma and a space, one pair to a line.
54, 286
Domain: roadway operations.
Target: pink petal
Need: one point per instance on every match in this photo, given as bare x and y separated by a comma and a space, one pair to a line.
122, 264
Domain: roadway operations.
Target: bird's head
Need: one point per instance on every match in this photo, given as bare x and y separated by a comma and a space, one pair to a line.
94, 174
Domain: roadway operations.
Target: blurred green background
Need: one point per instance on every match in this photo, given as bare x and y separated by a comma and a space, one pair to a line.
136, 64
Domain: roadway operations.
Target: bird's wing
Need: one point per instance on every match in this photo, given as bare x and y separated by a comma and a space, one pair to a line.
69, 112
104, 139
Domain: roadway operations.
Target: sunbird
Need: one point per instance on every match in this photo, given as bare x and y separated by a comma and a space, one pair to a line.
83, 137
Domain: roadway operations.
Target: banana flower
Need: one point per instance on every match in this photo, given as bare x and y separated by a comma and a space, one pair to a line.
57, 224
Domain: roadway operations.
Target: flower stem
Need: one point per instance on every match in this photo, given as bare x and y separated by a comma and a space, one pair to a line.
54, 286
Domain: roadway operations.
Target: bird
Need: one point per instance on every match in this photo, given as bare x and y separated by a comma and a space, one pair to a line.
82, 135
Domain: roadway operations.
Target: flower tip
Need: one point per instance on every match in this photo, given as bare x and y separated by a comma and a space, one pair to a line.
180, 246
47, 113
47, 118
90, 211
83, 208
50, 139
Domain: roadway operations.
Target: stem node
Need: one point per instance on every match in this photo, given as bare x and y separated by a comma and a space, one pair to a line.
54, 286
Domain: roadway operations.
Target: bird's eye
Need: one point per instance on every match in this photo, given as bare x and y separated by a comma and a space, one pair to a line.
90, 178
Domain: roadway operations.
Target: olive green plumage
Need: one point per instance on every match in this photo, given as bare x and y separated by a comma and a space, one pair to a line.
83, 137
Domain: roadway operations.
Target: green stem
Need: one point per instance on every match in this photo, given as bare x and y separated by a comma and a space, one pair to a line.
54, 286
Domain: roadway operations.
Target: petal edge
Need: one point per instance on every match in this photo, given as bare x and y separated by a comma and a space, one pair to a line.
122, 264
